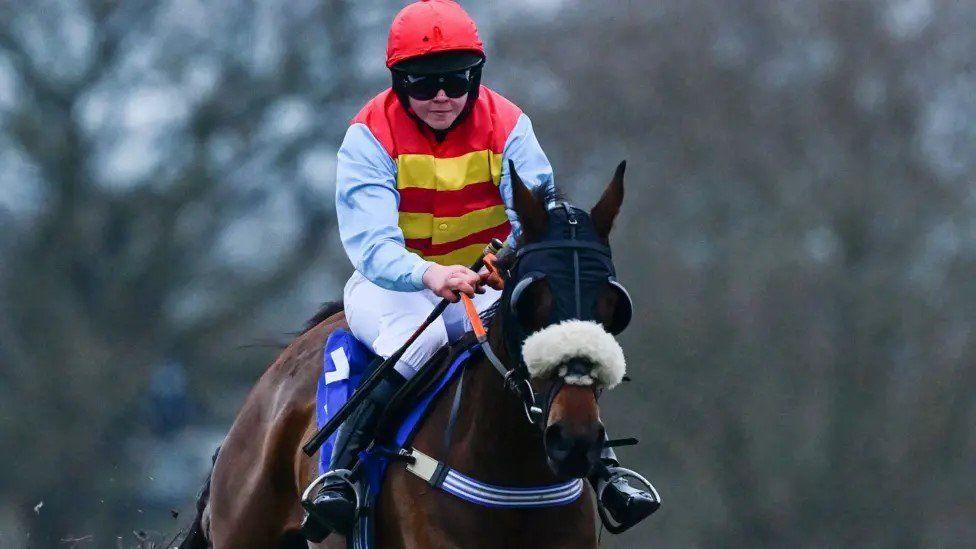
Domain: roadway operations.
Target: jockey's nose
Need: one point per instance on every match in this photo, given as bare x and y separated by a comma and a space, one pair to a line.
573, 450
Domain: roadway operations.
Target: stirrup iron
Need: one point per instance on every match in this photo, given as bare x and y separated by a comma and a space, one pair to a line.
616, 473
344, 475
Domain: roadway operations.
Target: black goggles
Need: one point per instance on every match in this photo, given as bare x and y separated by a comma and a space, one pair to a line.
424, 87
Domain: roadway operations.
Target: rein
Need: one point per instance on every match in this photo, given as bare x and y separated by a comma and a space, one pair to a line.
515, 379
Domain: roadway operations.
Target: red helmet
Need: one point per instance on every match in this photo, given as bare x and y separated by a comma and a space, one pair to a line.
432, 26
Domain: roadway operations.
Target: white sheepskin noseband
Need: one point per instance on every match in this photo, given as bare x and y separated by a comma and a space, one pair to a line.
554, 345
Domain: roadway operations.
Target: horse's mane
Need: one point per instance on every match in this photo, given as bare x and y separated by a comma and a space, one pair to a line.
489, 313
327, 309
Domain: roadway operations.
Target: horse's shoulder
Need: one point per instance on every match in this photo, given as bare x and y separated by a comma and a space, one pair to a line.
285, 393
281, 404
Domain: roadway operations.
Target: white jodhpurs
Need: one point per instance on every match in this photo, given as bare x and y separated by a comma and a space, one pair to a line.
384, 319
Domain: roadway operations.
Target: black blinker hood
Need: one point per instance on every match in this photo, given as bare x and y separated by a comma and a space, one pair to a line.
574, 261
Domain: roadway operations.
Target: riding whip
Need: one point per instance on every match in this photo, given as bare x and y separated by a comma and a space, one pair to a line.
377, 375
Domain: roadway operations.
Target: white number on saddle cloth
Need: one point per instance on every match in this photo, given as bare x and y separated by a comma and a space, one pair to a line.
341, 364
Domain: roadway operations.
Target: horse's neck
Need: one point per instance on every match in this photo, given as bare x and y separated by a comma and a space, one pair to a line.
494, 440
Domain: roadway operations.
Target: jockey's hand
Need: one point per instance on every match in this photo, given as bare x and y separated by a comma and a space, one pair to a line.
447, 281
491, 279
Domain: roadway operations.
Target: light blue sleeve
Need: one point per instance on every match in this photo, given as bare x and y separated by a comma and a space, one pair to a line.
533, 167
366, 208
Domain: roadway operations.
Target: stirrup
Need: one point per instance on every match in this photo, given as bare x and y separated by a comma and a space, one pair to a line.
616, 473
342, 475
313, 529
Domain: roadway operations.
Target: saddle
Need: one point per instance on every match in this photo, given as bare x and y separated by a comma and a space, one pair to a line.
346, 361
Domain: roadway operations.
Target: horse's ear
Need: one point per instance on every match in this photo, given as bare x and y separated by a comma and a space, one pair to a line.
608, 206
531, 211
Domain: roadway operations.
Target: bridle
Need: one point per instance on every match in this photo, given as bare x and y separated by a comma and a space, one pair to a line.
572, 256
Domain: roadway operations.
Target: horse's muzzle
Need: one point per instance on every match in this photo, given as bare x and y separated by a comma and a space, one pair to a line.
571, 451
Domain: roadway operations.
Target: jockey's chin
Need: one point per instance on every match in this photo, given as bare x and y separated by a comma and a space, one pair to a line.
441, 111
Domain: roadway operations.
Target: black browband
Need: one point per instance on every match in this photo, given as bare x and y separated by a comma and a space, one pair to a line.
563, 244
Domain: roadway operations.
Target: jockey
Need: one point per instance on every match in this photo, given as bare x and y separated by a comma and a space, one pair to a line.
422, 187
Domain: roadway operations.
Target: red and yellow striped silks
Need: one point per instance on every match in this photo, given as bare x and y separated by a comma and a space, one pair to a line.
450, 205
450, 208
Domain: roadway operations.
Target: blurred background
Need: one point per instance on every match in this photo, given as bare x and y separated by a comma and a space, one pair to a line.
799, 234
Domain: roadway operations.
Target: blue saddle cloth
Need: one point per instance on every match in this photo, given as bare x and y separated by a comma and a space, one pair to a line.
345, 363
344, 360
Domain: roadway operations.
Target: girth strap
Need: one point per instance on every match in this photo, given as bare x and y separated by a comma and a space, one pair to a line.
459, 485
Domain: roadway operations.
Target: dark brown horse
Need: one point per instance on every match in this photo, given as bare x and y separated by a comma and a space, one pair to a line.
252, 497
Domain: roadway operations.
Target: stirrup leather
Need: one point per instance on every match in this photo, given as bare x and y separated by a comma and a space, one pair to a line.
616, 473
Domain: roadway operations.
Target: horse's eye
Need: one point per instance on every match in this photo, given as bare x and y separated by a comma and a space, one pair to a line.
613, 307
534, 305
606, 304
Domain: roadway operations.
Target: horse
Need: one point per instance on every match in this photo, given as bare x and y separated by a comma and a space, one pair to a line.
252, 495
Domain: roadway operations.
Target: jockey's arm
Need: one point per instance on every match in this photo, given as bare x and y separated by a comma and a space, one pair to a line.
533, 168
367, 198
366, 208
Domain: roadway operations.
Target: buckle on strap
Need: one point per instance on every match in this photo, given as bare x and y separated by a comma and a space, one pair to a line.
523, 389
426, 467
516, 382
468, 488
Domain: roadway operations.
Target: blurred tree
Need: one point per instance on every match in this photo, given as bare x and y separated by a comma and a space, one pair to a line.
799, 235
167, 176
807, 339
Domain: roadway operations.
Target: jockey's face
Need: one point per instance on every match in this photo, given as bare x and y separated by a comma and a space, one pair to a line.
441, 111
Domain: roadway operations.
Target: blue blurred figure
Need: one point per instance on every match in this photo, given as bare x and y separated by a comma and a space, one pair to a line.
167, 398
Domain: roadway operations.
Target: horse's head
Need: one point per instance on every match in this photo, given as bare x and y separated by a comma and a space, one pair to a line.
563, 305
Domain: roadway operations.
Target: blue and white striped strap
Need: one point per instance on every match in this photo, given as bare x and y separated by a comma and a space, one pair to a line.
441, 476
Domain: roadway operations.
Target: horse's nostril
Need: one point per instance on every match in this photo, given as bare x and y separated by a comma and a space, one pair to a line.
555, 442
571, 453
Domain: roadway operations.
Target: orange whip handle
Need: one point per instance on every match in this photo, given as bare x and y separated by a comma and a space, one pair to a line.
369, 383
489, 260
476, 325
